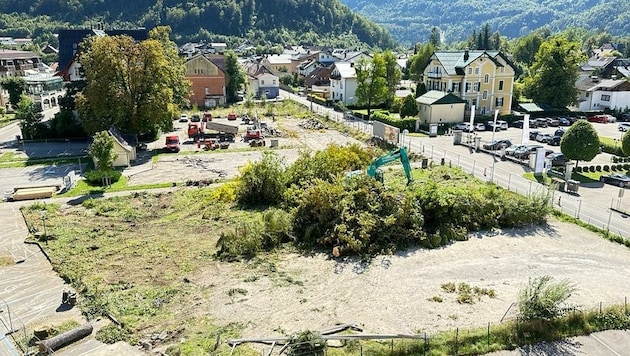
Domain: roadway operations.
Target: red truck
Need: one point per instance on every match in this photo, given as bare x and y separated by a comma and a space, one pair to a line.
211, 129
172, 143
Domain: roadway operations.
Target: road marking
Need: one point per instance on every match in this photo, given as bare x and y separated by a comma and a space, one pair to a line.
605, 345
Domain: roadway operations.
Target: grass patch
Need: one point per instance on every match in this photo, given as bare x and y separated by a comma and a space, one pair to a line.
6, 261
598, 230
584, 177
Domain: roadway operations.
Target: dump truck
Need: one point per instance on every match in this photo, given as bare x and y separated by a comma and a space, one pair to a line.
172, 143
212, 129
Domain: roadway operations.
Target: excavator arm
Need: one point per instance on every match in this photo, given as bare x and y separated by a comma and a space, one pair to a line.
398, 154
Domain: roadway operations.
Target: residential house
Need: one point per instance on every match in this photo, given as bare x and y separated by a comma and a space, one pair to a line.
69, 41
484, 79
125, 152
439, 107
206, 73
598, 94
307, 67
318, 82
16, 63
343, 82
261, 80
280, 64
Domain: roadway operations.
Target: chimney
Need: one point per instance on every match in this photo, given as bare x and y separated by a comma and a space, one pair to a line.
466, 56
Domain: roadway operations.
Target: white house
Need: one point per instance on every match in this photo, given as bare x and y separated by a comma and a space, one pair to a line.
439, 107
596, 95
343, 83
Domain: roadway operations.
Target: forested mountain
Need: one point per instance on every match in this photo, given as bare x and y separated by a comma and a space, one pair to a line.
271, 21
410, 21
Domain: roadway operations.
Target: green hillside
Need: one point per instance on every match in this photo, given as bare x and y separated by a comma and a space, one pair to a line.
269, 21
411, 21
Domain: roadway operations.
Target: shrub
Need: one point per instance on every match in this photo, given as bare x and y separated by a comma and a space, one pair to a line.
598, 168
307, 343
408, 123
543, 300
620, 167
615, 159
244, 240
262, 182
591, 169
96, 177
578, 169
606, 168
626, 166
613, 167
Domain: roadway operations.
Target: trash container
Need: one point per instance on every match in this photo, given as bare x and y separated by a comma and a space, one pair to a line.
425, 163
572, 186
561, 184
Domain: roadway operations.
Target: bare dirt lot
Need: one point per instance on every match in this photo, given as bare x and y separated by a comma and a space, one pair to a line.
390, 294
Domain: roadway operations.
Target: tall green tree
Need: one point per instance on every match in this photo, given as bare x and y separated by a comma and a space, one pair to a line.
235, 76
392, 76
625, 143
371, 82
553, 74
419, 60
135, 86
102, 150
29, 117
524, 49
580, 142
15, 86
409, 107
435, 37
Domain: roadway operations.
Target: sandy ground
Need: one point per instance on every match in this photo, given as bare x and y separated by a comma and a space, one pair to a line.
390, 294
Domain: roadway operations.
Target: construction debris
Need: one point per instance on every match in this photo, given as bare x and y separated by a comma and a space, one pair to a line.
312, 124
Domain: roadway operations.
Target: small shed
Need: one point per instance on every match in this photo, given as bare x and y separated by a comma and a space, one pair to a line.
126, 152
438, 107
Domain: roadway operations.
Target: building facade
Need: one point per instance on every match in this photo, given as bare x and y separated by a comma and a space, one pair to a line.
484, 79
343, 83
208, 80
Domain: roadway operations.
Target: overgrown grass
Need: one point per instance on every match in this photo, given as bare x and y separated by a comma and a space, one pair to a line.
600, 231
584, 177
6, 261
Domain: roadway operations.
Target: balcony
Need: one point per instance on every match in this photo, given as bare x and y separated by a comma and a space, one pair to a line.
434, 75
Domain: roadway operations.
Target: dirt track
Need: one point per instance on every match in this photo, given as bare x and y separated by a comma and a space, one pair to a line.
391, 294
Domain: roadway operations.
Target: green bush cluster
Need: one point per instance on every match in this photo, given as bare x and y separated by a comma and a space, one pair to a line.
408, 123
325, 207
616, 159
95, 177
612, 147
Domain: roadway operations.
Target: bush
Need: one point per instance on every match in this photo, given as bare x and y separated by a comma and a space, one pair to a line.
96, 177
262, 182
543, 300
613, 167
615, 159
591, 169
598, 168
244, 240
408, 123
626, 166
578, 169
606, 168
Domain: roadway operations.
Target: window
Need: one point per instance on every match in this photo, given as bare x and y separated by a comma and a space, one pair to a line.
467, 87
486, 78
477, 70
469, 70
502, 69
485, 95
605, 97
500, 85
456, 87
207, 91
262, 82
587, 94
274, 82
483, 110
498, 102
474, 102
476, 86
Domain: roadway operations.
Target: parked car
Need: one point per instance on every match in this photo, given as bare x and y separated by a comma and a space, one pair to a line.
232, 116
503, 125
518, 124
553, 122
557, 159
543, 137
624, 126
195, 118
625, 116
610, 118
464, 126
554, 140
559, 132
598, 118
542, 122
497, 145
618, 179
563, 121
533, 134
533, 123
524, 152
183, 118
512, 149
490, 126
480, 127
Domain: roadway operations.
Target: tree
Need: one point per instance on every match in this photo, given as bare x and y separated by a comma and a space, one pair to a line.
524, 49
543, 300
419, 60
625, 143
135, 86
580, 142
392, 75
371, 82
16, 86
235, 77
421, 89
102, 151
435, 38
29, 117
409, 107
554, 72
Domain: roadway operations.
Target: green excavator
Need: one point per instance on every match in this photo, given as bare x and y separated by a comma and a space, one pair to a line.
398, 154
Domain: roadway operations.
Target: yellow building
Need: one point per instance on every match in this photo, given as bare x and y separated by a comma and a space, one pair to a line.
484, 79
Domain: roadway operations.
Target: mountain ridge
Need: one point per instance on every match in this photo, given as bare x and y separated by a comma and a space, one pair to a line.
411, 21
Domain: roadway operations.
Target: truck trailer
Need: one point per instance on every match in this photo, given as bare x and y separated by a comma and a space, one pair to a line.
212, 129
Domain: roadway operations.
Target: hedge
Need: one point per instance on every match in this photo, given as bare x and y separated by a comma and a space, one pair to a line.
408, 123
